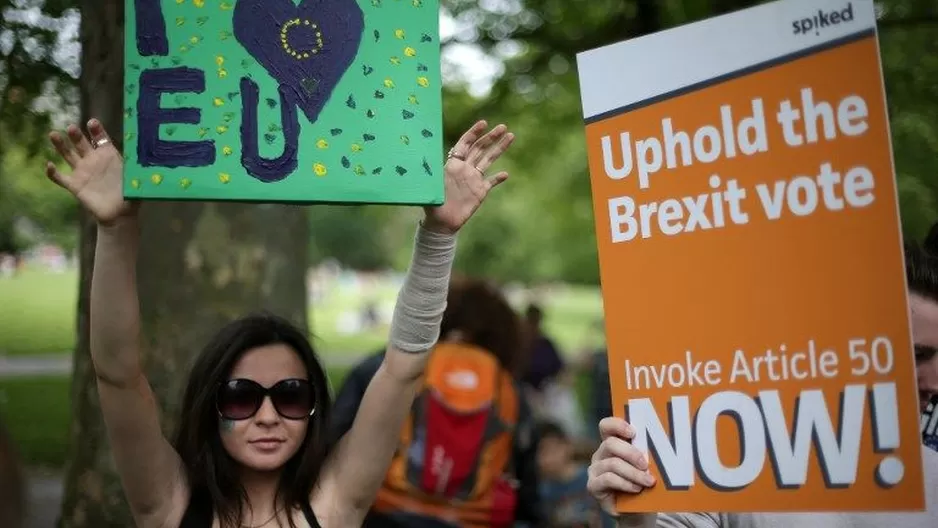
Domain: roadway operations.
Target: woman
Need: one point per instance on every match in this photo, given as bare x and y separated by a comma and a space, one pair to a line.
250, 446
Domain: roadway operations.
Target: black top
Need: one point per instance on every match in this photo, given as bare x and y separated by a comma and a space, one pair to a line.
199, 514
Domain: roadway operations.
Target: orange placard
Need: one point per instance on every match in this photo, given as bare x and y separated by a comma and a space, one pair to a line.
751, 264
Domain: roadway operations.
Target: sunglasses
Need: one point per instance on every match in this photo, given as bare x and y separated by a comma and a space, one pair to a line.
240, 399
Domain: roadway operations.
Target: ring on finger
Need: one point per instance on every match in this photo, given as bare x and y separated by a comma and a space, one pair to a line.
482, 172
453, 154
98, 142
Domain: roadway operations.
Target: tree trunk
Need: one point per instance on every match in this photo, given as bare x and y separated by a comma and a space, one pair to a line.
200, 265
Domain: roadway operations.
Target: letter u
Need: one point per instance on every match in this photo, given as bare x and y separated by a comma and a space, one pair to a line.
268, 170
625, 146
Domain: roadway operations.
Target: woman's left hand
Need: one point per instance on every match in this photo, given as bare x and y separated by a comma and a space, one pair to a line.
465, 182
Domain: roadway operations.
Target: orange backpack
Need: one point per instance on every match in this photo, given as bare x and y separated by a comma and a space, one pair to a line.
454, 461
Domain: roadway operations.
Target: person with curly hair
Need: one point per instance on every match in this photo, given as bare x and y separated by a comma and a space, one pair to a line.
467, 455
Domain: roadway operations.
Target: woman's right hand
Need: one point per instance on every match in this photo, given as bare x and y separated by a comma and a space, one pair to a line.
97, 173
617, 466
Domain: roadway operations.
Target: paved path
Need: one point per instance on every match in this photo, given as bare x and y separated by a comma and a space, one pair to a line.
39, 365
45, 500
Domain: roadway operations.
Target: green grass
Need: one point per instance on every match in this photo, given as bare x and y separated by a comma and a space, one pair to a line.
36, 412
39, 317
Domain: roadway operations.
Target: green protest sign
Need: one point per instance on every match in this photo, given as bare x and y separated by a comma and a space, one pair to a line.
283, 101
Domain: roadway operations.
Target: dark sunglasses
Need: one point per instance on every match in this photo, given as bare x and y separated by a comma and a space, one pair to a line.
240, 399
924, 353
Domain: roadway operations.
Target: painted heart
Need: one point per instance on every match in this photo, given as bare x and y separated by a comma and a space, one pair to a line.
306, 47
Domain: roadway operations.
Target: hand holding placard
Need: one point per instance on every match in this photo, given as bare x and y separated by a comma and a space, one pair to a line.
750, 259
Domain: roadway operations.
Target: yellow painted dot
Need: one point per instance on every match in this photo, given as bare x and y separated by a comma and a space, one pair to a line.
224, 177
221, 129
203, 132
410, 52
359, 170
222, 73
183, 48
423, 81
219, 60
193, 40
319, 169
389, 83
356, 147
135, 183
322, 143
226, 150
224, 6
180, 1
199, 3
395, 60
180, 21
412, 99
156, 179
218, 101
185, 183
399, 33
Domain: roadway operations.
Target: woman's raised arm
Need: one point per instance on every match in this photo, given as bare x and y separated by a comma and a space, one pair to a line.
151, 472
356, 468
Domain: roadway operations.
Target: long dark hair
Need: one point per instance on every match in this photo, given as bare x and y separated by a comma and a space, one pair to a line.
212, 473
479, 310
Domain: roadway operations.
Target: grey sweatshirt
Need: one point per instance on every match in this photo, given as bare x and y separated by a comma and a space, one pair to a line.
926, 519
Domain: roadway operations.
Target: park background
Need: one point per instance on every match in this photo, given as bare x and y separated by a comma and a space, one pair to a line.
504, 60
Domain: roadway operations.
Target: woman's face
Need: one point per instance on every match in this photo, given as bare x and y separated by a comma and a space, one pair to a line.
266, 440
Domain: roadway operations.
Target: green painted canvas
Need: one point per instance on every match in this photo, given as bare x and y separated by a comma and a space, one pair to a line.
315, 101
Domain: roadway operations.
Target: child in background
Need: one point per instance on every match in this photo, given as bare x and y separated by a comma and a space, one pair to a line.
563, 483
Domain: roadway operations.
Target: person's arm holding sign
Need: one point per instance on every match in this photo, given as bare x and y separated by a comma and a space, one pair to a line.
619, 467
359, 463
151, 471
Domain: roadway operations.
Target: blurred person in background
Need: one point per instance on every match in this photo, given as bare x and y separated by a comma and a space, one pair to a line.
12, 484
545, 363
549, 381
563, 480
469, 408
